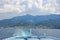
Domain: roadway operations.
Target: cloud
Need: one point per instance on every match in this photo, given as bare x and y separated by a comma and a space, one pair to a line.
15, 5
8, 6
12, 8
51, 6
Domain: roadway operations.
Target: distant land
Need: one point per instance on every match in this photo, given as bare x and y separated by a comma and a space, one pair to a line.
43, 21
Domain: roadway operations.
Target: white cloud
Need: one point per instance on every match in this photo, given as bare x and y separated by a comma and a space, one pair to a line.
51, 6
14, 6
40, 4
30, 3
10, 7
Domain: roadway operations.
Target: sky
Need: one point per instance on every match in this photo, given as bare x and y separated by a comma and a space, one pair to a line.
12, 8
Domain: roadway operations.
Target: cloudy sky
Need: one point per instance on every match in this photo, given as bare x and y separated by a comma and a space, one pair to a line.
12, 8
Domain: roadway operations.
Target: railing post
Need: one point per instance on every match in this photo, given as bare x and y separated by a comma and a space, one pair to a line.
30, 33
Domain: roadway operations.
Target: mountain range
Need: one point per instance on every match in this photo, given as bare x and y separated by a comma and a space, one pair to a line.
52, 21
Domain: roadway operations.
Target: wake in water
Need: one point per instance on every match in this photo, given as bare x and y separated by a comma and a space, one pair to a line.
29, 34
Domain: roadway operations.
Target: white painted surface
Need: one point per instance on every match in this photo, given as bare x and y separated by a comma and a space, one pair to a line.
33, 39
46, 39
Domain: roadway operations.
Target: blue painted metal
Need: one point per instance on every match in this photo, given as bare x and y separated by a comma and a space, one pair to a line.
26, 38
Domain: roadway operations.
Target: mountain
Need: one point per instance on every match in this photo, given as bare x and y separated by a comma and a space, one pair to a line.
26, 20
54, 23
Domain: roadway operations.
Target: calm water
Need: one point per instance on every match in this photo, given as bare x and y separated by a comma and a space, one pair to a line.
9, 32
